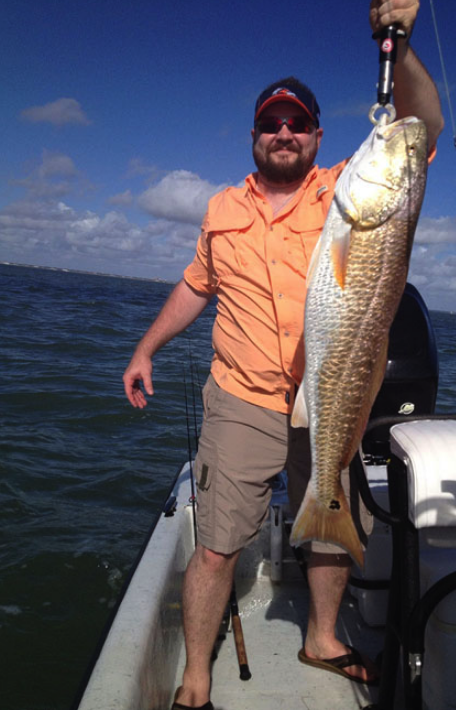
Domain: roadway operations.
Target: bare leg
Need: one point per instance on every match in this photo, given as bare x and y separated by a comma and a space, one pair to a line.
207, 587
328, 577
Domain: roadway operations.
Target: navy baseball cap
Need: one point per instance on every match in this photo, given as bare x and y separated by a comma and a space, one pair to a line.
297, 94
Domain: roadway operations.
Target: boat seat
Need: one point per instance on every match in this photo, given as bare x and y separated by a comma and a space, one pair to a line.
422, 597
428, 449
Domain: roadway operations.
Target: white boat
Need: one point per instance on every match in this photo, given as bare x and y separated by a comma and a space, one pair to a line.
141, 661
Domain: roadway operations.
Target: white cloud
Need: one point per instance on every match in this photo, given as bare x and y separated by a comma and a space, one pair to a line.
53, 178
433, 262
45, 229
436, 231
180, 196
123, 199
56, 164
59, 113
137, 167
50, 232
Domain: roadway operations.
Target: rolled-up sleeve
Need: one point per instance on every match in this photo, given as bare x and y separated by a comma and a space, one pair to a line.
200, 274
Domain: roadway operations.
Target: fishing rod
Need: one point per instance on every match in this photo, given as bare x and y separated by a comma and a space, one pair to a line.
442, 64
244, 671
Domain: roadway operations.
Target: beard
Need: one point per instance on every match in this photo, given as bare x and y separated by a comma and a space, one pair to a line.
281, 172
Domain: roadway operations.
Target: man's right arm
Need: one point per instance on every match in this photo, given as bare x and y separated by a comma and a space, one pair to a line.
183, 306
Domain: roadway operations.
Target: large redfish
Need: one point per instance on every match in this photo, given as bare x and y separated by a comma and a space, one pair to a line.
356, 279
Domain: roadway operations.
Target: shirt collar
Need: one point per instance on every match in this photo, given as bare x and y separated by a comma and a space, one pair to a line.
253, 192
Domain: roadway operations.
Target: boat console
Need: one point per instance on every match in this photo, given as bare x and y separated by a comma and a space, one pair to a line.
421, 617
410, 383
406, 470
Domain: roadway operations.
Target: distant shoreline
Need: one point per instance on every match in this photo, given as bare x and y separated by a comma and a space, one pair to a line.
132, 278
87, 273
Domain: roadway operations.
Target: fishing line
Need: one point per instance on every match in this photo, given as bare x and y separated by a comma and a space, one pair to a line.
190, 461
193, 369
445, 80
244, 670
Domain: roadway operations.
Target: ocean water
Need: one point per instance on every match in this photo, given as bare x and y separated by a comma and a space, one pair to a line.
83, 474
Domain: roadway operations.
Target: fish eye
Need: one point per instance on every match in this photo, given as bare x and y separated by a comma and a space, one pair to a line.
411, 150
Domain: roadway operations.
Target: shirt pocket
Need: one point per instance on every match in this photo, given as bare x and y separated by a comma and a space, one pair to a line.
250, 250
302, 245
306, 225
228, 245
226, 252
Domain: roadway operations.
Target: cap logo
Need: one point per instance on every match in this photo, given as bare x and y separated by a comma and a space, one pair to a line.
296, 93
287, 92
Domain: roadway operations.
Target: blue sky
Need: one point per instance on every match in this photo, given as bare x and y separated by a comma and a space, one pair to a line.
120, 120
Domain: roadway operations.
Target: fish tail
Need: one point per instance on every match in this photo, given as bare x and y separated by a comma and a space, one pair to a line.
316, 521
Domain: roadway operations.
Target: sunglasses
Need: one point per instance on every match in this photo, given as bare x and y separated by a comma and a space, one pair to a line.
295, 124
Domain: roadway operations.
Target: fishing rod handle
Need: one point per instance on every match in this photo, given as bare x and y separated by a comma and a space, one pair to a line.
244, 670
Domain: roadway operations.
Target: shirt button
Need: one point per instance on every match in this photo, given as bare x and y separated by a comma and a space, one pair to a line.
280, 295
286, 334
274, 261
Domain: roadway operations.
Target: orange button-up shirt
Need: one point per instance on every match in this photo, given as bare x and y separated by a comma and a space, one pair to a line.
257, 264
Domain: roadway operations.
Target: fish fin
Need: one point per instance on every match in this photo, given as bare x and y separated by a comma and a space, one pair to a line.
313, 261
340, 246
316, 521
299, 415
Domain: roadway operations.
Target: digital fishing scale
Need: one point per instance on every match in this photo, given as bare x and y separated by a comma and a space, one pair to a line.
388, 51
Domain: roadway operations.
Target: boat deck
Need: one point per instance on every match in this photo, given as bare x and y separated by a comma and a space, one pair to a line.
274, 619
142, 659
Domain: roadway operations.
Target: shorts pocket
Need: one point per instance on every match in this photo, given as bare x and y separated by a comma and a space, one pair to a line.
205, 465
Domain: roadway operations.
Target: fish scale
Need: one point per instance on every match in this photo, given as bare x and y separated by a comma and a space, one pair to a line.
356, 280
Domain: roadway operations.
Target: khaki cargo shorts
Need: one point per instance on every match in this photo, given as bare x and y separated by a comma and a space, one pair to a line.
241, 448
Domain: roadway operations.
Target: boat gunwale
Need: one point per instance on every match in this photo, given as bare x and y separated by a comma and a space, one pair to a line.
125, 589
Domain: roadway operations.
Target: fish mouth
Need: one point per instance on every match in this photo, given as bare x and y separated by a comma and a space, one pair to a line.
390, 130
387, 133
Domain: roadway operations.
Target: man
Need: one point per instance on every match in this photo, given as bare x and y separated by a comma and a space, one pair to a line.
253, 253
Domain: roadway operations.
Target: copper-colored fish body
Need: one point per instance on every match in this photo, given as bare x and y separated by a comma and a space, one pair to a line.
356, 280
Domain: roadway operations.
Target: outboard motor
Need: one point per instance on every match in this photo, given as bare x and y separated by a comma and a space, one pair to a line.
411, 378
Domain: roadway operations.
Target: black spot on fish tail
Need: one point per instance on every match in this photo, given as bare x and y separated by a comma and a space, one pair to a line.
317, 521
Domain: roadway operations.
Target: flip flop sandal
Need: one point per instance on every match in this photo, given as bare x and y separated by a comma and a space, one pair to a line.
179, 706
337, 665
